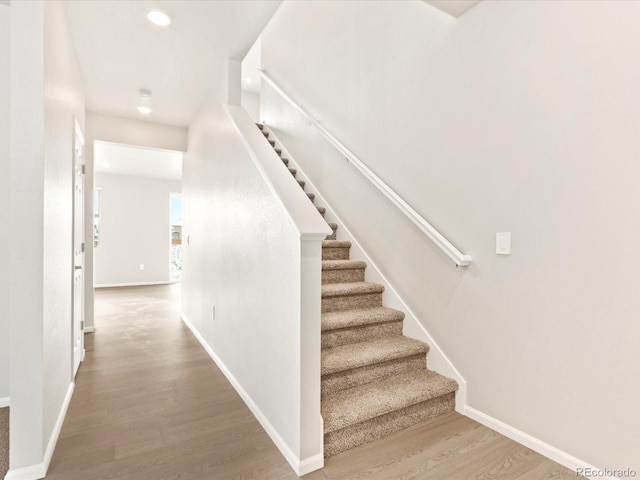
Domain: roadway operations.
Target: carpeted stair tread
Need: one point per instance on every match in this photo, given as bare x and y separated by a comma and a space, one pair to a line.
342, 264
356, 355
335, 249
336, 243
279, 152
352, 288
301, 183
354, 405
322, 210
260, 126
293, 171
358, 318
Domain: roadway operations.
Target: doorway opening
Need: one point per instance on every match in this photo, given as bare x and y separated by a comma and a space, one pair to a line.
132, 217
175, 211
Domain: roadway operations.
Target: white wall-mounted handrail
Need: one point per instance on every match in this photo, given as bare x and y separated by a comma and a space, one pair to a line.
436, 237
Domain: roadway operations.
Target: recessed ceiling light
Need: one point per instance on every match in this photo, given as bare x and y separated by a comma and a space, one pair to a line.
144, 109
106, 165
145, 93
158, 17
247, 80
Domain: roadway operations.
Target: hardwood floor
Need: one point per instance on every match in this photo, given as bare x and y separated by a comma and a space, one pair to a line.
150, 404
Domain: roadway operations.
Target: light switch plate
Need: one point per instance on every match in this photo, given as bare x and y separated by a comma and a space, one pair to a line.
503, 243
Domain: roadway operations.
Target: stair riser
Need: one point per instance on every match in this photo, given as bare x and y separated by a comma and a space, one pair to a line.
345, 336
343, 276
359, 376
351, 302
364, 432
335, 253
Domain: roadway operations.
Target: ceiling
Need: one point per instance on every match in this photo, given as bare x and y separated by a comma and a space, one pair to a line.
120, 52
137, 161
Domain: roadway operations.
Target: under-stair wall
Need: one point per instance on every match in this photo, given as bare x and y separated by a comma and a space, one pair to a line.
514, 117
251, 277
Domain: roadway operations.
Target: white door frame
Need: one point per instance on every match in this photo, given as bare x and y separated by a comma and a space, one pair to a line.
77, 306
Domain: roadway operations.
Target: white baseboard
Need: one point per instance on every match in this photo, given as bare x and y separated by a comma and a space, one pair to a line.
132, 284
38, 471
90, 329
535, 444
4, 402
301, 467
32, 472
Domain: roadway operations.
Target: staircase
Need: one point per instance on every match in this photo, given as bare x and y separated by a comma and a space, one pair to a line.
374, 380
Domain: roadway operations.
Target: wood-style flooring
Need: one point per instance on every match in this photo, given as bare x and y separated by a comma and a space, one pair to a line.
150, 404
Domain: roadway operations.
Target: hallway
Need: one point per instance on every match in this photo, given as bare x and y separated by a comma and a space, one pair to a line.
149, 403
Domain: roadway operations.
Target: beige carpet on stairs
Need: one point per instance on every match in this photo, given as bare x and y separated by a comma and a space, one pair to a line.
374, 381
4, 441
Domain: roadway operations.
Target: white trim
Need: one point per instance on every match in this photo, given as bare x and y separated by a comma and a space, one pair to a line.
460, 259
310, 464
32, 472
535, 444
53, 440
39, 470
438, 361
4, 402
301, 467
285, 189
132, 284
90, 329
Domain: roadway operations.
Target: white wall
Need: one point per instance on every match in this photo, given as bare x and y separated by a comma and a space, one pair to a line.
251, 103
134, 229
519, 116
46, 96
4, 201
129, 132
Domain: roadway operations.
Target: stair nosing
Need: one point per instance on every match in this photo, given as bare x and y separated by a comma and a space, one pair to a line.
363, 317
370, 352
347, 289
336, 244
343, 265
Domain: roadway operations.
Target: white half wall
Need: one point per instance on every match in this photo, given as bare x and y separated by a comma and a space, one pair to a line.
5, 184
135, 229
515, 117
126, 131
251, 103
247, 258
47, 96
